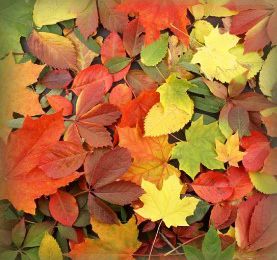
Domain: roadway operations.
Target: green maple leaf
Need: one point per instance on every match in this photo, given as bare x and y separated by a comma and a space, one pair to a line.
16, 20
199, 148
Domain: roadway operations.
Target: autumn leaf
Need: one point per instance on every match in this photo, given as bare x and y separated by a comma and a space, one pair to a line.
15, 96
151, 155
230, 151
269, 120
257, 20
256, 222
174, 110
52, 49
21, 180
64, 208
165, 204
264, 182
220, 60
199, 148
125, 236
60, 103
171, 14
56, 79
49, 248
120, 95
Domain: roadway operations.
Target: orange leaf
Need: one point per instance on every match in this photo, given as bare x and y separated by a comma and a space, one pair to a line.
21, 181
120, 95
60, 103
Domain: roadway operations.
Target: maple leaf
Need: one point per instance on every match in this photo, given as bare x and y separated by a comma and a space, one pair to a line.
21, 180
54, 50
157, 15
151, 155
165, 204
174, 110
257, 20
229, 152
105, 247
219, 59
199, 148
15, 96
256, 222
16, 21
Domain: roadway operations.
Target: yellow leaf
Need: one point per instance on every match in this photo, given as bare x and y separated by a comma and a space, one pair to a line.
49, 249
160, 121
150, 154
116, 242
54, 50
50, 12
165, 204
229, 152
215, 58
15, 96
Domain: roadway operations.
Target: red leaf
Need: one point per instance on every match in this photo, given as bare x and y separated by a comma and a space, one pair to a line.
223, 215
133, 38
134, 112
56, 79
21, 181
100, 211
212, 186
157, 15
62, 159
243, 219
112, 165
257, 149
112, 47
95, 75
120, 95
270, 165
110, 18
121, 74
119, 192
60, 103
63, 208
240, 181
139, 81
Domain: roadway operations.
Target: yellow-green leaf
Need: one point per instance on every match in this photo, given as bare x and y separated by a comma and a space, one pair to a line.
263, 182
49, 249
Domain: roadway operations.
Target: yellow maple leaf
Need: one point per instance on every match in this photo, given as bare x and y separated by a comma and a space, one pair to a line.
229, 152
150, 154
15, 96
165, 204
116, 242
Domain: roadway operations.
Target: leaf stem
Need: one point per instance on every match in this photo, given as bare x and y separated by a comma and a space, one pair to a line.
155, 238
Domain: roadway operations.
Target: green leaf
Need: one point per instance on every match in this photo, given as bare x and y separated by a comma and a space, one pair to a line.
201, 210
18, 233
30, 254
36, 233
228, 253
206, 118
199, 87
8, 255
83, 218
199, 148
16, 123
67, 232
263, 182
188, 66
192, 253
209, 104
49, 249
153, 53
54, 28
16, 21
211, 247
90, 43
268, 75
117, 64
174, 92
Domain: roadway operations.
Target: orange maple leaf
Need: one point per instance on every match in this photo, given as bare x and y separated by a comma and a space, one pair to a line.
21, 181
157, 15
151, 155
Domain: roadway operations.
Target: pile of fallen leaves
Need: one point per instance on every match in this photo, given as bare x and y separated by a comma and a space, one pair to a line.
138, 128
